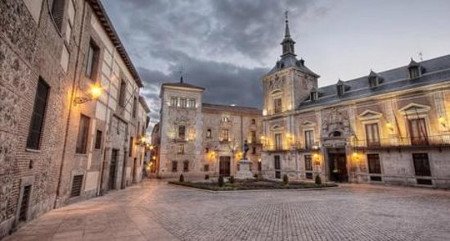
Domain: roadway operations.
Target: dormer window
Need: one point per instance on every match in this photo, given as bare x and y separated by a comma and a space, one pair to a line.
340, 88
314, 96
414, 69
414, 72
374, 79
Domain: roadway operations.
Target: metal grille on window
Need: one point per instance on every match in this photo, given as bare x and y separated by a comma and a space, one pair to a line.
77, 183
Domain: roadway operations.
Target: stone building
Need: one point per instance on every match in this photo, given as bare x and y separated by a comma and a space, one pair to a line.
197, 139
58, 129
386, 127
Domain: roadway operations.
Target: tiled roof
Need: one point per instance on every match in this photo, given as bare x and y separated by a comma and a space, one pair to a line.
433, 71
230, 108
100, 12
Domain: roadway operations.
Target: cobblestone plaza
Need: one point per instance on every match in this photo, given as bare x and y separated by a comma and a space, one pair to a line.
155, 210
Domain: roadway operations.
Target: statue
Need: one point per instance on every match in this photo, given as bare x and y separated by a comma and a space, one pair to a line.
246, 148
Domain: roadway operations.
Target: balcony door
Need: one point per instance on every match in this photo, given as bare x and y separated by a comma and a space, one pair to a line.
418, 131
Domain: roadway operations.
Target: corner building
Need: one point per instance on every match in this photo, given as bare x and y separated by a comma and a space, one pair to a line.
198, 139
386, 127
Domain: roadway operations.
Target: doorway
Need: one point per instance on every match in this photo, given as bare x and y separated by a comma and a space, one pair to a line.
337, 163
112, 170
277, 165
224, 166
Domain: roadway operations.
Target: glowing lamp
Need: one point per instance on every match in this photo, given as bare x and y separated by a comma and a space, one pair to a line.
442, 121
93, 93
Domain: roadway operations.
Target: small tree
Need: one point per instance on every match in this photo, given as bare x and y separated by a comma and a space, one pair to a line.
231, 179
318, 180
221, 181
206, 177
285, 179
181, 178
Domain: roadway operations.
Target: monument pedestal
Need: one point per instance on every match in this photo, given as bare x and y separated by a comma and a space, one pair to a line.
244, 170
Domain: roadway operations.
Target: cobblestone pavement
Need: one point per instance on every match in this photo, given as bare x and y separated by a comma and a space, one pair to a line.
155, 210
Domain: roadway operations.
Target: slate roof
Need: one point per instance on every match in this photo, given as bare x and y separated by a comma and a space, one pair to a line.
230, 108
433, 71
288, 61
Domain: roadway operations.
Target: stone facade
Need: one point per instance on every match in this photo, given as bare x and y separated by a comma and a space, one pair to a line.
387, 127
197, 139
41, 45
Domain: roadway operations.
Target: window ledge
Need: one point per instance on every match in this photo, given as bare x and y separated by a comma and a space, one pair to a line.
32, 150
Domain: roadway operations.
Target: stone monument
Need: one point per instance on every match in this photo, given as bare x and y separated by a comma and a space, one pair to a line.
244, 165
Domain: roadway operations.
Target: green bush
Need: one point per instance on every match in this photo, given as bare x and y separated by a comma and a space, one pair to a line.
221, 182
181, 178
231, 179
318, 180
206, 177
285, 179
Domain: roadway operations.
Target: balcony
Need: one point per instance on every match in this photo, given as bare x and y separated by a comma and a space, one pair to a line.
437, 141
275, 148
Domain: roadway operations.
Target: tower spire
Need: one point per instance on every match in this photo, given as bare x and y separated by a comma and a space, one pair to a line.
287, 33
287, 43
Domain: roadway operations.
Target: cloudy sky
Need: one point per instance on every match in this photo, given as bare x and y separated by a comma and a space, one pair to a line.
227, 45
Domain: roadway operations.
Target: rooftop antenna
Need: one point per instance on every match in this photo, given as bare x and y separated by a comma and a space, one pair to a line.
420, 56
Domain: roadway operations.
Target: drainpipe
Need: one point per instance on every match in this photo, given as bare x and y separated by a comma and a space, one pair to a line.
72, 96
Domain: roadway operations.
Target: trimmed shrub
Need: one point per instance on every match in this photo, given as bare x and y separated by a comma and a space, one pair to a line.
318, 180
206, 177
181, 178
231, 179
221, 182
285, 179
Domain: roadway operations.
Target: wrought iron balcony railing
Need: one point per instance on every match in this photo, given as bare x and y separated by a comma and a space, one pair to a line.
428, 141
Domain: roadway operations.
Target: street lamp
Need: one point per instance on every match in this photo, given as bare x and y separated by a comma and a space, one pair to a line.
93, 93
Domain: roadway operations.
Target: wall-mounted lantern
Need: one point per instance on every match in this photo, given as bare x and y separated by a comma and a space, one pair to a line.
93, 93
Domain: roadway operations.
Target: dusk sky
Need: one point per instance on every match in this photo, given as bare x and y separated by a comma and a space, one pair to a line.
226, 46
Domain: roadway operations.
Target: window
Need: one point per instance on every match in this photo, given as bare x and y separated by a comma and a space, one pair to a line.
414, 72
340, 89
373, 81
278, 144
134, 107
180, 149
191, 103
253, 150
253, 136
122, 93
374, 163
206, 168
277, 105
206, 150
308, 163
174, 101
130, 151
98, 139
183, 103
253, 121
174, 166
83, 131
186, 166
313, 96
418, 131
309, 139
224, 135
57, 11
182, 132
372, 135
208, 133
92, 60
225, 119
38, 116
77, 183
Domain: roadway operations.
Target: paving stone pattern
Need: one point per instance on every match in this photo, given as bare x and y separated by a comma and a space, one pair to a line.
155, 210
